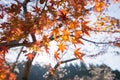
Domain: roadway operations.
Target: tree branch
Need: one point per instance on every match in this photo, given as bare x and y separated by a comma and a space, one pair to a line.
43, 7
14, 65
114, 31
15, 44
25, 5
94, 42
57, 65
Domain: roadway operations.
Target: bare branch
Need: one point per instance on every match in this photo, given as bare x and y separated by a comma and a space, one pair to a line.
94, 42
25, 5
15, 44
36, 3
44, 7
114, 31
57, 65
15, 64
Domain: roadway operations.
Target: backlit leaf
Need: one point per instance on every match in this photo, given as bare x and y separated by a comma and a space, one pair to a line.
78, 54
30, 56
61, 47
63, 14
56, 55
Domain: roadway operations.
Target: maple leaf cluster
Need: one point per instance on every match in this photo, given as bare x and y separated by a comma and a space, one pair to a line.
5, 72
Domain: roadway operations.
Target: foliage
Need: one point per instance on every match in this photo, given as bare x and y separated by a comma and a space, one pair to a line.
64, 21
102, 72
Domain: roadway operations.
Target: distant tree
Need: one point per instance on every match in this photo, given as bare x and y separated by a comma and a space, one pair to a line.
78, 72
102, 72
117, 74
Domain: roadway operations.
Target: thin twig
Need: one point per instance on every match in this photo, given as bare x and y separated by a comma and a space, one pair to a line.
43, 7
36, 3
98, 42
15, 64
114, 31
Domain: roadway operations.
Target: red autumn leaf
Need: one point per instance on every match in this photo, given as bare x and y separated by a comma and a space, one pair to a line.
30, 56
77, 34
85, 28
63, 14
78, 54
37, 43
56, 55
36, 9
79, 41
1, 62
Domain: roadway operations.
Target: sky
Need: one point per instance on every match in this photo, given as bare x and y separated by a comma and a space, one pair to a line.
109, 58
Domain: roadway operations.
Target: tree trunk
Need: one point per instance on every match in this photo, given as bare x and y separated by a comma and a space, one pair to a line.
26, 70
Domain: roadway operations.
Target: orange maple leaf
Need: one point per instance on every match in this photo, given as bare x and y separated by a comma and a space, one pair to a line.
99, 6
85, 28
61, 47
78, 34
55, 32
45, 41
30, 56
79, 41
79, 54
72, 25
74, 42
66, 32
65, 35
